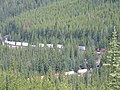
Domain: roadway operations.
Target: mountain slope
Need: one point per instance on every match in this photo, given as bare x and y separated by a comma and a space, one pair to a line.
77, 19
10, 8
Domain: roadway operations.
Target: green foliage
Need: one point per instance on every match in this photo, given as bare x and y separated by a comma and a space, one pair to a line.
114, 62
76, 21
11, 8
68, 22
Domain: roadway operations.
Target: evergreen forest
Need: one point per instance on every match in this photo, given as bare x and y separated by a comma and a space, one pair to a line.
75, 34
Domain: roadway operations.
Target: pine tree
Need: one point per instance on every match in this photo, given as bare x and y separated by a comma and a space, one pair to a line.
114, 63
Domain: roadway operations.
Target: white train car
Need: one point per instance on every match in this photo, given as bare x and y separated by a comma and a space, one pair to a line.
18, 43
82, 71
24, 44
70, 73
82, 48
59, 46
50, 45
12, 43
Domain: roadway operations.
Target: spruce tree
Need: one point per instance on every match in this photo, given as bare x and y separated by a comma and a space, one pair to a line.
114, 63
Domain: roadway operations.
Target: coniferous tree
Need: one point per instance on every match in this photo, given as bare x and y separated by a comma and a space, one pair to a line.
114, 62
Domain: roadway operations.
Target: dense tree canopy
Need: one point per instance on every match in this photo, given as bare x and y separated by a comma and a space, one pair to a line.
83, 21
70, 23
10, 8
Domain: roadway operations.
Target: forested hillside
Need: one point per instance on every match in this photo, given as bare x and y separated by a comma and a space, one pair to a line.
93, 25
83, 21
10, 8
